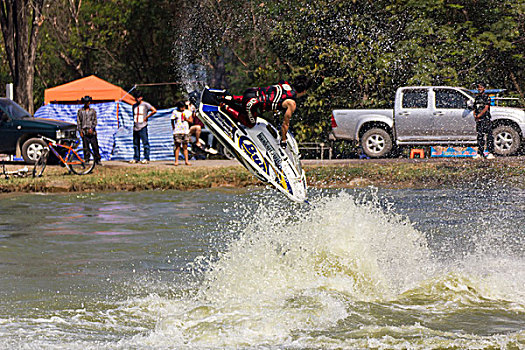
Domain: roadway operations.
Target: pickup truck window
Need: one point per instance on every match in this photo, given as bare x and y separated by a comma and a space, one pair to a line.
415, 98
450, 99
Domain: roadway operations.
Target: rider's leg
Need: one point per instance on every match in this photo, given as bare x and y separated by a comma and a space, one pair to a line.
238, 117
230, 99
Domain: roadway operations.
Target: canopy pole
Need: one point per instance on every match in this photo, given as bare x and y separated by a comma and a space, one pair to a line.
118, 103
118, 119
157, 84
127, 93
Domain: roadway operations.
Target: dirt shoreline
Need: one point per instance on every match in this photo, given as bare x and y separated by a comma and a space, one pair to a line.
347, 173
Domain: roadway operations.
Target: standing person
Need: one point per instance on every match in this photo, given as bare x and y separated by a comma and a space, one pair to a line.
279, 97
483, 123
196, 127
181, 130
86, 125
142, 111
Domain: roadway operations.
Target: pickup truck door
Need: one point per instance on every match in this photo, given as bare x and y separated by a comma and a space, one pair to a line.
452, 120
8, 133
412, 117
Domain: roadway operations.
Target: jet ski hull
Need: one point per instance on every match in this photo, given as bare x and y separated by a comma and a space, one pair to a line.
257, 148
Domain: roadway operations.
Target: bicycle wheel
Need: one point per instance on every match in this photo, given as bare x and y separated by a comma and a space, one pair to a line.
41, 162
77, 165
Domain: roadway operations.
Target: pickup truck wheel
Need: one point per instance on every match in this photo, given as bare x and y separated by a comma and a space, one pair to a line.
376, 143
506, 140
31, 150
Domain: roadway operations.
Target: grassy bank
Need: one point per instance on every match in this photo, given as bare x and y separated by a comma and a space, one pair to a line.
387, 174
115, 178
415, 174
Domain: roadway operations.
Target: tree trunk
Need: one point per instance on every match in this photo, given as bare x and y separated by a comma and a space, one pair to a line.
517, 85
20, 21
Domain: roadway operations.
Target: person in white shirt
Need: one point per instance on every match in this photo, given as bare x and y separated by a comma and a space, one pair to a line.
180, 119
142, 111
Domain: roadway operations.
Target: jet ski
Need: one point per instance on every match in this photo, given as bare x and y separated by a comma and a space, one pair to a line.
257, 148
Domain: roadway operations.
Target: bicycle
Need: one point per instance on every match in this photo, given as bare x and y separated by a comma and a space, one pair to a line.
14, 173
71, 160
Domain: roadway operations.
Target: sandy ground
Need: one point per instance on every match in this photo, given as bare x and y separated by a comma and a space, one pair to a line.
517, 160
317, 162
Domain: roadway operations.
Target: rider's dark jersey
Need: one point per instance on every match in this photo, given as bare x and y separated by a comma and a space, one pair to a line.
272, 97
255, 101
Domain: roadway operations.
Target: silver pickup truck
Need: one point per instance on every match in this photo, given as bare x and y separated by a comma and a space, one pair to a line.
426, 115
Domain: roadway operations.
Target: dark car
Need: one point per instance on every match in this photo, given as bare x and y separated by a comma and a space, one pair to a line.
19, 131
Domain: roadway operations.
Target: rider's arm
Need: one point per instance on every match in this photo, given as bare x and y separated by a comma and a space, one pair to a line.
290, 108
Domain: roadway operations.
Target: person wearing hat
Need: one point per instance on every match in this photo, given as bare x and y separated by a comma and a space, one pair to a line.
483, 123
86, 126
142, 111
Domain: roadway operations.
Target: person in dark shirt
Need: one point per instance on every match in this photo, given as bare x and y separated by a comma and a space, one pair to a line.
86, 125
279, 97
483, 123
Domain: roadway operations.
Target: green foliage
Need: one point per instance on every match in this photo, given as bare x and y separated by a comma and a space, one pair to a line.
359, 52
126, 42
363, 51
5, 75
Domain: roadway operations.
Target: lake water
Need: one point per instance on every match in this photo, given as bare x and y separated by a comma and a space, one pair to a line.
367, 268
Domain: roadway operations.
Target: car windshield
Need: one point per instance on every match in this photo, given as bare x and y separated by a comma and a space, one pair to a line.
468, 92
12, 109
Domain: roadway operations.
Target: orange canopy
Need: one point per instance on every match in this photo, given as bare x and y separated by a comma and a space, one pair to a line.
99, 90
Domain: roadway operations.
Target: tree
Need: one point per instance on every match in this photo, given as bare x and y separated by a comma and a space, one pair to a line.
229, 38
20, 21
126, 42
363, 50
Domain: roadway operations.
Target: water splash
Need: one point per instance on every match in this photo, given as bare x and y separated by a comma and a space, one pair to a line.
342, 266
345, 272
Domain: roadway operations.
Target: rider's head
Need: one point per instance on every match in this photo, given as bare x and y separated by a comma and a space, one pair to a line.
301, 83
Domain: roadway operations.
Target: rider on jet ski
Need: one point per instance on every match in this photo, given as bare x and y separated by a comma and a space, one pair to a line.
279, 97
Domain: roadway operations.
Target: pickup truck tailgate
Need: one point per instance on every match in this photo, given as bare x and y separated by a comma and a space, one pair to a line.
347, 122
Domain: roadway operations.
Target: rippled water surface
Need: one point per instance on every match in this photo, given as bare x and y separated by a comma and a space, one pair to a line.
213, 269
